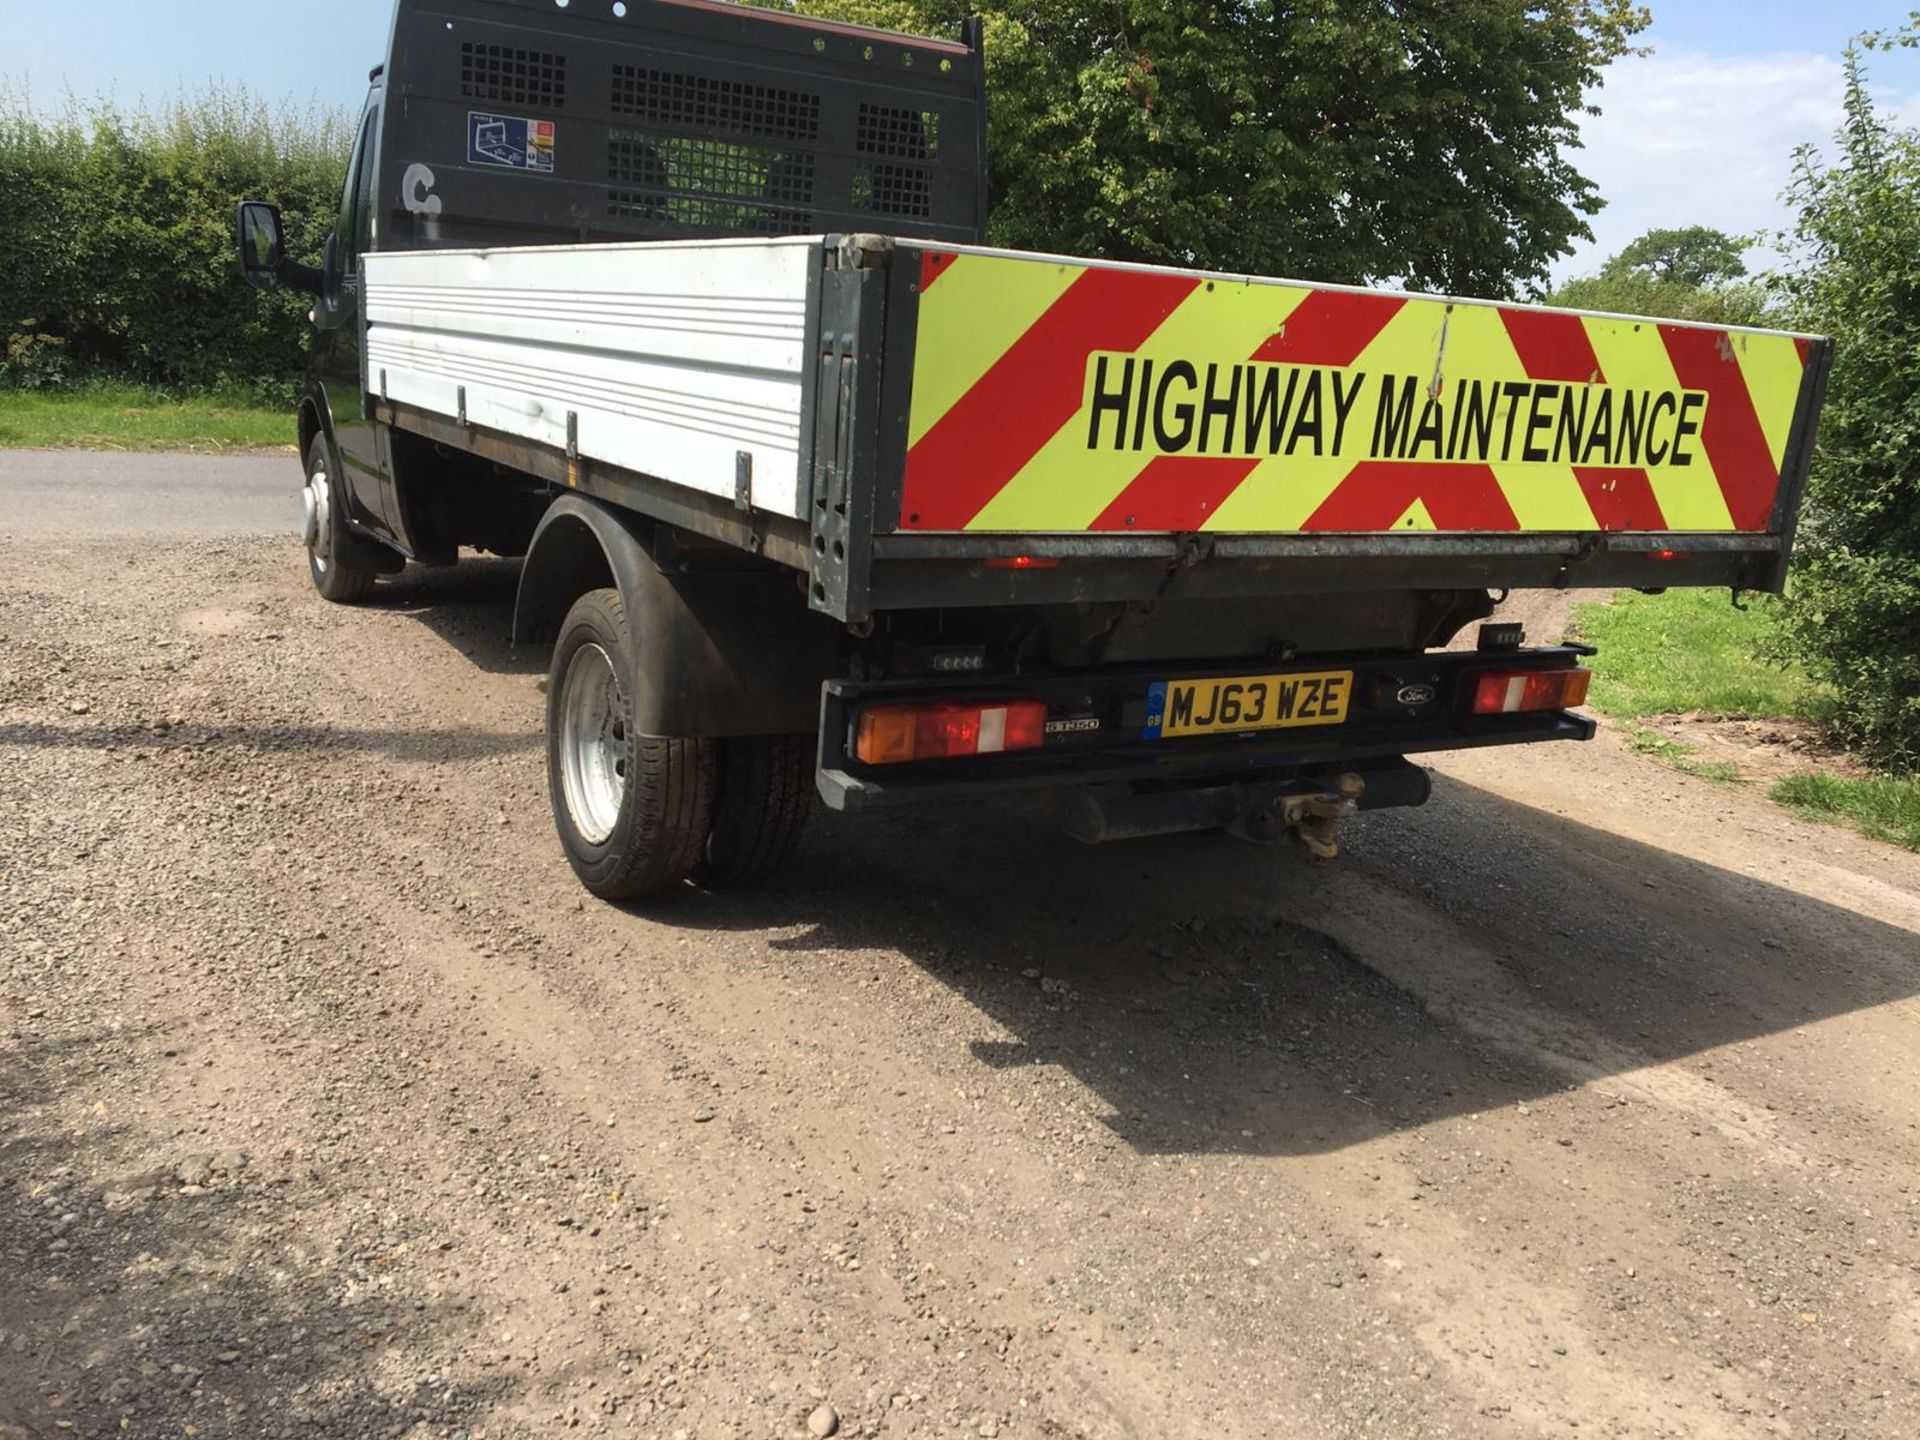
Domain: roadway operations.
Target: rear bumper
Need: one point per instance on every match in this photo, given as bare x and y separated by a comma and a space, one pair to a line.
1115, 752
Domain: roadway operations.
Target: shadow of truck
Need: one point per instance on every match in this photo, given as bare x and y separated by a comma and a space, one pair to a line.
1218, 997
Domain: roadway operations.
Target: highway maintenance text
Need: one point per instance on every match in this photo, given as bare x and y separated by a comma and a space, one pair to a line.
1188, 407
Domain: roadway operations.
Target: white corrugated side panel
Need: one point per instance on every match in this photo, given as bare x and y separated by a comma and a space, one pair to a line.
674, 356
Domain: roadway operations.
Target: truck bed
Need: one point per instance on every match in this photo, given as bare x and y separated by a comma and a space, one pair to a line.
672, 358
898, 418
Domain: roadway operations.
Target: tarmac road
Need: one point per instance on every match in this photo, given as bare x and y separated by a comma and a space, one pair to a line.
72, 493
1583, 1101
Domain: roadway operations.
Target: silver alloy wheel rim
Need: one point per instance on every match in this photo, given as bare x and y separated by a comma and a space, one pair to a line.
315, 521
593, 744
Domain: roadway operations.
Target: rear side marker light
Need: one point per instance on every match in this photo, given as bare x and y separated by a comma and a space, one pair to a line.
1513, 692
889, 734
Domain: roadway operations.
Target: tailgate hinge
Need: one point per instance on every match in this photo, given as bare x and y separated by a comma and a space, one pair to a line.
1590, 545
1194, 547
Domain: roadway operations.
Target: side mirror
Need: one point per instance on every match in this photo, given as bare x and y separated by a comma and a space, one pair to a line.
263, 249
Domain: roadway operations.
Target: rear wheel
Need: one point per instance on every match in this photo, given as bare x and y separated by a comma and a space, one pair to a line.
765, 792
332, 551
633, 811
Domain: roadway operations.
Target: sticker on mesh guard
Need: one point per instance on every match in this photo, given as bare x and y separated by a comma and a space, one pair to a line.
509, 142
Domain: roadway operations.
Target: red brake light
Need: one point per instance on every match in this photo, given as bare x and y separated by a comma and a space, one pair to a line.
1023, 562
940, 730
947, 730
1026, 726
1510, 692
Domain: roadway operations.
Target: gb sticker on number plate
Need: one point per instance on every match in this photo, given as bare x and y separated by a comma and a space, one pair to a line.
510, 142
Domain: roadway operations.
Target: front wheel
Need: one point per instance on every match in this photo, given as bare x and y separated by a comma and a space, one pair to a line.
633, 811
332, 551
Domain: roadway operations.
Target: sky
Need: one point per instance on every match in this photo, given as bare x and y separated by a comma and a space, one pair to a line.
1700, 131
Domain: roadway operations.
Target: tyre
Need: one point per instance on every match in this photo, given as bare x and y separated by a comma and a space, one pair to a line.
334, 555
633, 811
765, 785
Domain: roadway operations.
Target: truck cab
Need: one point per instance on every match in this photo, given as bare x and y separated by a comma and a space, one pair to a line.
499, 123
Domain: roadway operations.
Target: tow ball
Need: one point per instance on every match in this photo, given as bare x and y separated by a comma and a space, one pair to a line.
1311, 816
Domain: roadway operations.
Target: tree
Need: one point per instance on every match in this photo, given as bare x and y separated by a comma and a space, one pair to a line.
1678, 274
1697, 255
1426, 141
1852, 615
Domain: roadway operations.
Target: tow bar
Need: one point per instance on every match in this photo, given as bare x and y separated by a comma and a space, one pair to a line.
1312, 817
1265, 812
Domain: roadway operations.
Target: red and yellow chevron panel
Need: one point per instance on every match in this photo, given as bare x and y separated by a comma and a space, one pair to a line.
1053, 395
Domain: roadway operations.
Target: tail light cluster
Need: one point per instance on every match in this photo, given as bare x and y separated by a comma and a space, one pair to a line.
1512, 692
949, 730
941, 730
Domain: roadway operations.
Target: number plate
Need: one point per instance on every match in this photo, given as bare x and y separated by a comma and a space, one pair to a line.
1247, 702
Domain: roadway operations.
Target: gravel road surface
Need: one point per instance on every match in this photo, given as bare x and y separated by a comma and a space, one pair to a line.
1582, 1102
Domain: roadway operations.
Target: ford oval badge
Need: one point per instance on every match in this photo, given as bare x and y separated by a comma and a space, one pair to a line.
1415, 695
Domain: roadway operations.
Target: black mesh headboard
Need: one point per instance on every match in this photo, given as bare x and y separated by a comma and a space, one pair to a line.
528, 122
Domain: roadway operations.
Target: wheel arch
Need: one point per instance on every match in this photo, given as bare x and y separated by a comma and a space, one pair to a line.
315, 418
721, 651
308, 420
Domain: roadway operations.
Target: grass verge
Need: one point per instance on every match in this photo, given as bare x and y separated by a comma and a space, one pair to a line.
1690, 650
1683, 757
126, 417
1878, 805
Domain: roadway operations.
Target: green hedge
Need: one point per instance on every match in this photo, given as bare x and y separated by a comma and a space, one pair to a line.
116, 241
1852, 616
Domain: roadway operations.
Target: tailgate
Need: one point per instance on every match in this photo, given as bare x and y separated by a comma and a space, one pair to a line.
1051, 396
